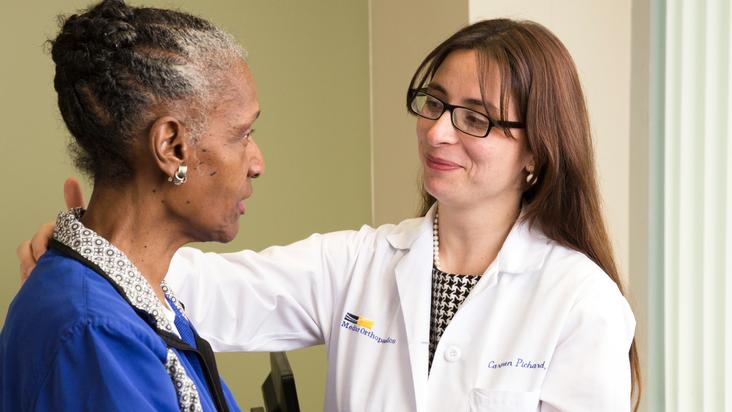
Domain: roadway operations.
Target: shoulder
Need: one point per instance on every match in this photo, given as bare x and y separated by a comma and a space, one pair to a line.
62, 291
576, 271
566, 279
367, 234
374, 242
588, 292
338, 244
63, 303
401, 233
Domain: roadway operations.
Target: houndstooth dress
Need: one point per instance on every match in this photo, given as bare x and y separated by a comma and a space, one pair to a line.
448, 293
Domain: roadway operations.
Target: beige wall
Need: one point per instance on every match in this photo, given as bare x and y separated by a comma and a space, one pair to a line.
640, 195
310, 61
402, 33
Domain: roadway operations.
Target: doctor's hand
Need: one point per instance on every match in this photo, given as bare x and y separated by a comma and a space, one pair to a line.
29, 251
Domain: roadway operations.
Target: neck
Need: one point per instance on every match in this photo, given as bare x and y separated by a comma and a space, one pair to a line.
471, 237
130, 217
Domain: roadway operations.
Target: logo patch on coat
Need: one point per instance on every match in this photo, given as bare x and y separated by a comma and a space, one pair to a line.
363, 326
359, 320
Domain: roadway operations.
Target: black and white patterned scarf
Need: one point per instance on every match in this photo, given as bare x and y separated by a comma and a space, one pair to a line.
72, 233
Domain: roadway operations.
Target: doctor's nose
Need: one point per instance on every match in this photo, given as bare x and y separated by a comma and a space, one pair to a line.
442, 130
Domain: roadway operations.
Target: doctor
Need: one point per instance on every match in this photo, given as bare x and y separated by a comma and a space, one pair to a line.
504, 296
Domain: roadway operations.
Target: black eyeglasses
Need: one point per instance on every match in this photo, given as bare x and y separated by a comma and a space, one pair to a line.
468, 121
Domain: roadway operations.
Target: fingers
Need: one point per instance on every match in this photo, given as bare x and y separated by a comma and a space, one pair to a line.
39, 242
72, 193
25, 257
30, 251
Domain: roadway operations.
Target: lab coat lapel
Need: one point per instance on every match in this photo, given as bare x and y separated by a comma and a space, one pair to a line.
414, 284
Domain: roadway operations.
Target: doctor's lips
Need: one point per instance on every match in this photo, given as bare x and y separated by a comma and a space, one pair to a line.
359, 320
439, 163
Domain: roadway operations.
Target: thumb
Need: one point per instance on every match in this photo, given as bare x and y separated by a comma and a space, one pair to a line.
72, 193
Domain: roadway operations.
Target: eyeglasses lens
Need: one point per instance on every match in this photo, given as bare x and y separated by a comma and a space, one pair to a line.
427, 106
471, 122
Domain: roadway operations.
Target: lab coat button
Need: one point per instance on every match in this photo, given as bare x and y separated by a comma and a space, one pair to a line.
452, 353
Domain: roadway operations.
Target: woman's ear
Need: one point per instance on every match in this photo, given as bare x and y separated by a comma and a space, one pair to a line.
530, 170
169, 144
530, 165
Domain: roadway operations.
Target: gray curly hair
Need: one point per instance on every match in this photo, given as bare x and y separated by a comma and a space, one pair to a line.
115, 62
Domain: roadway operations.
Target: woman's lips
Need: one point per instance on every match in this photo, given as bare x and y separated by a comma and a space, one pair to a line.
241, 205
437, 163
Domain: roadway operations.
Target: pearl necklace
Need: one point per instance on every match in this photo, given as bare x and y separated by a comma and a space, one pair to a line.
436, 242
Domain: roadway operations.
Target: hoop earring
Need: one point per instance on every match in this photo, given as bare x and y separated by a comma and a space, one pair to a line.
180, 176
530, 178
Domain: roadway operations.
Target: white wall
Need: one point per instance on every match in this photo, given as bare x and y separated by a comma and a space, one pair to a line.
597, 34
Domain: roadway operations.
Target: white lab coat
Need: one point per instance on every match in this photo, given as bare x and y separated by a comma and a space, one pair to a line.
545, 329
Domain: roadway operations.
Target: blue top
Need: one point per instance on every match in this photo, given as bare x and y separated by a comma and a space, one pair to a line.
72, 342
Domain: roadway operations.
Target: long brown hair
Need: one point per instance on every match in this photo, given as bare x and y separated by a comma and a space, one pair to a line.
538, 74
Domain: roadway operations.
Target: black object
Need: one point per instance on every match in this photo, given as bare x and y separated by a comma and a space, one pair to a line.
278, 390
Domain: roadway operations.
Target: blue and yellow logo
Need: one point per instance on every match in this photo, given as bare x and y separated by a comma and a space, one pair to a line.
359, 320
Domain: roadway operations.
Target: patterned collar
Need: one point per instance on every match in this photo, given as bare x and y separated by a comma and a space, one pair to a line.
119, 269
135, 288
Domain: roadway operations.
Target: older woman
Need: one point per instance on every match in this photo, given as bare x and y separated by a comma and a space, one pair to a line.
504, 296
161, 105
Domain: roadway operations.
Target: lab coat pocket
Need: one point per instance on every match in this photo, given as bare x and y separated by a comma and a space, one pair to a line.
483, 400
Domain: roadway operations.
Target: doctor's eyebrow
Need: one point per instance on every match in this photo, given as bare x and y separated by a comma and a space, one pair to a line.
469, 101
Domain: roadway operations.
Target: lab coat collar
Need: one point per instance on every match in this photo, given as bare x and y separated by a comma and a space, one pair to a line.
414, 286
523, 251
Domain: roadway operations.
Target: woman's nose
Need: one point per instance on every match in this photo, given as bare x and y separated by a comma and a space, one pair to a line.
442, 130
256, 161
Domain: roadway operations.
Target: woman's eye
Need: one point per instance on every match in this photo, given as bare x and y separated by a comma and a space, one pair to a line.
476, 121
247, 134
431, 107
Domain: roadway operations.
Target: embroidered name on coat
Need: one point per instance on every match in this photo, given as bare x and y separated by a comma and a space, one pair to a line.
517, 363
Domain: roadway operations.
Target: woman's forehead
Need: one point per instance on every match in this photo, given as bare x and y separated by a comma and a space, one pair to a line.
459, 77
